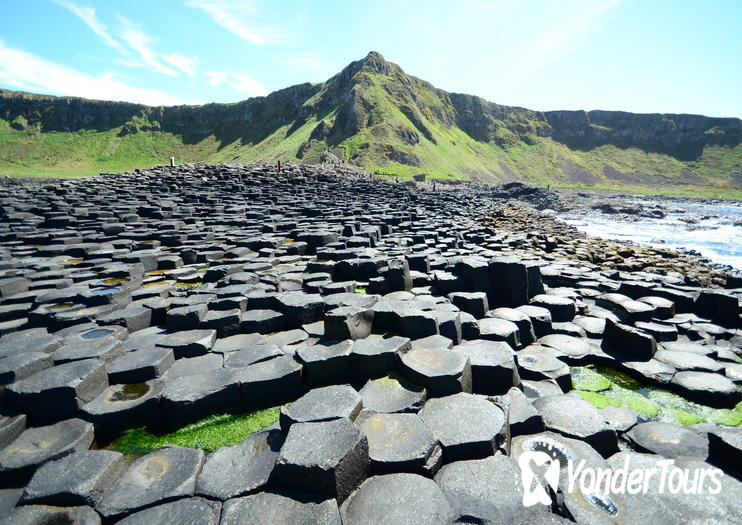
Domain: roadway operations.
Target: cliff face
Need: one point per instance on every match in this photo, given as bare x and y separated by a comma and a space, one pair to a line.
385, 120
681, 136
247, 119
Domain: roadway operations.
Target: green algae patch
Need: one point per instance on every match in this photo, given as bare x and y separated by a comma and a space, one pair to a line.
360, 290
604, 387
586, 379
598, 400
643, 407
730, 418
208, 434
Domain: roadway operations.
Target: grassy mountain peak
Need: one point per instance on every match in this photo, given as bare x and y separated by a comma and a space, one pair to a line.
375, 115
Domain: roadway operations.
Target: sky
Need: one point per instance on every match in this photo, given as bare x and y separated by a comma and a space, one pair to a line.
647, 56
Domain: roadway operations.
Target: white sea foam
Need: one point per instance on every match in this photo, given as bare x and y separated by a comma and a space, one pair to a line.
722, 243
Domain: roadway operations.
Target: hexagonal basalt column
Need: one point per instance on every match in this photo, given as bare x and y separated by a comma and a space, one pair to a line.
58, 392
254, 459
400, 443
322, 404
467, 426
35, 446
328, 458
403, 499
167, 473
77, 479
441, 372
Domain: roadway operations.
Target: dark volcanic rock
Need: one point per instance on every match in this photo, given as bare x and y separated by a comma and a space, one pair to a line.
335, 464
166, 474
405, 499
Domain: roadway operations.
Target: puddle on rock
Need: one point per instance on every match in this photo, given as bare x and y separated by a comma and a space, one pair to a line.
104, 291
97, 333
130, 392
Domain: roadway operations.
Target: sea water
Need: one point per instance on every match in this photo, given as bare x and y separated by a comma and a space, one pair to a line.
715, 237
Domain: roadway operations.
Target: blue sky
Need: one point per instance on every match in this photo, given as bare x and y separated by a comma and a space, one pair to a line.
670, 56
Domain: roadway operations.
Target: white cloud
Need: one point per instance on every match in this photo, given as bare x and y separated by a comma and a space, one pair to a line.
562, 40
140, 42
186, 64
27, 71
136, 40
87, 15
241, 18
238, 81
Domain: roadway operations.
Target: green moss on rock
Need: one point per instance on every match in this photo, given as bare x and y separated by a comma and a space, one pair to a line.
208, 434
584, 378
598, 400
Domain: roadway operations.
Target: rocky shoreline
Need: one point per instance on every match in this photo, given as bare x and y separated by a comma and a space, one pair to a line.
417, 342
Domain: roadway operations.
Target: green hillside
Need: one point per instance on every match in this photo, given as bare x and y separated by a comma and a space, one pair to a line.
378, 117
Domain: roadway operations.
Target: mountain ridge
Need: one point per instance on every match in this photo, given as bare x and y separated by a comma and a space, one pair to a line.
384, 120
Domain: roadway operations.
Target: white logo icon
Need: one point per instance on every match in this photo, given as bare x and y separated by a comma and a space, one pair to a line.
533, 491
